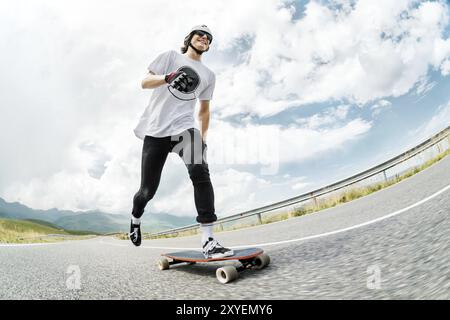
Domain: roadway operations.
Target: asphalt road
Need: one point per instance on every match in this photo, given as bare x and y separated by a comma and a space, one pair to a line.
393, 244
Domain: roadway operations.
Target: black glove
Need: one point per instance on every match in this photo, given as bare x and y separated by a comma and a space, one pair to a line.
179, 80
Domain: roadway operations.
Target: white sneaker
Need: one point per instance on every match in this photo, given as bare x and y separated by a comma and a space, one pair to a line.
213, 250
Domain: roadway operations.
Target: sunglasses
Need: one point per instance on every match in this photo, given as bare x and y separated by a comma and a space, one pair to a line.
202, 33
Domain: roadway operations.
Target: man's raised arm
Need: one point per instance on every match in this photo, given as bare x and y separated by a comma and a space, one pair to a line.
152, 81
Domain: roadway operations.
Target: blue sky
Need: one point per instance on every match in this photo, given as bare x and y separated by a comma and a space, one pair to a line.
315, 90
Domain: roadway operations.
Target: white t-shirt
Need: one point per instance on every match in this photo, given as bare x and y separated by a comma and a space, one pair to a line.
170, 112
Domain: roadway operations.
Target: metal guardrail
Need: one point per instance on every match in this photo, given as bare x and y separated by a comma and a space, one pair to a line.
312, 195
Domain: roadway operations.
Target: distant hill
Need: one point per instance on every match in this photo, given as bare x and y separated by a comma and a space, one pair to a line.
43, 223
94, 221
154, 222
106, 223
19, 211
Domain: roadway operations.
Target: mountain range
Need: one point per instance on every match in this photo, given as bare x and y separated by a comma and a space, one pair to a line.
93, 221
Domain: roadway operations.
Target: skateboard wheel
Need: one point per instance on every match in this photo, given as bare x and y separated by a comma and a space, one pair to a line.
227, 274
261, 261
163, 264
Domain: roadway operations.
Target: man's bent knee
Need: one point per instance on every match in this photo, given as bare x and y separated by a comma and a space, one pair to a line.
144, 195
199, 173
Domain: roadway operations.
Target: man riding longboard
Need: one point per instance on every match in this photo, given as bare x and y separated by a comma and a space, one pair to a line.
168, 125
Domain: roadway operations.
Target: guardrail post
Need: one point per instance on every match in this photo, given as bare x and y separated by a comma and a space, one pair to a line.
385, 177
316, 203
259, 218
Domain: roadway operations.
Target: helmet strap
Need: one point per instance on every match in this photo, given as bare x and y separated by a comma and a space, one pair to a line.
199, 52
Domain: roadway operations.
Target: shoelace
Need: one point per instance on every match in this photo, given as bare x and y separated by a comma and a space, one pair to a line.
211, 245
217, 244
134, 234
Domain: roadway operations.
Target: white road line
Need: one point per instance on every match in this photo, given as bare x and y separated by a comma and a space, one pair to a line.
28, 244
267, 244
38, 244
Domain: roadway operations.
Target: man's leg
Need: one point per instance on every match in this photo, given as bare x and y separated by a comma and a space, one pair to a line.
193, 153
203, 198
190, 147
154, 155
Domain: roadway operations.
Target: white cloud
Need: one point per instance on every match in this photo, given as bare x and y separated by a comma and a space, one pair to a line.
424, 86
437, 123
381, 104
364, 53
274, 145
331, 117
300, 185
445, 67
299, 144
379, 107
101, 170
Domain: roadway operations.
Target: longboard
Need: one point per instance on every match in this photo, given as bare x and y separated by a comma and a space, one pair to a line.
250, 258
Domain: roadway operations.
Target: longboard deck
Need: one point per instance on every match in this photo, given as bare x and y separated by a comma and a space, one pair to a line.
197, 256
249, 258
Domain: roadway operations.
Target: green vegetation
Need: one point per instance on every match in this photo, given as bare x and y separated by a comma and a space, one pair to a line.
121, 236
318, 204
33, 231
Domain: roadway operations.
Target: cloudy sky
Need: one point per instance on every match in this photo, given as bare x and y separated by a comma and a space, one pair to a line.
307, 92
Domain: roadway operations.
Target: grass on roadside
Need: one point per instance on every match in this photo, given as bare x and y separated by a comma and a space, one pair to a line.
23, 231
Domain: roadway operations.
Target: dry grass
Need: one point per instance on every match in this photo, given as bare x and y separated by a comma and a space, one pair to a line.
19, 231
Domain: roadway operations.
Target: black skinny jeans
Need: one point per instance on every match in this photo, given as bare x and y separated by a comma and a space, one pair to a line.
191, 148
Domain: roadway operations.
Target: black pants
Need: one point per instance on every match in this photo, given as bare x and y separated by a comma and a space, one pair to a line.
191, 148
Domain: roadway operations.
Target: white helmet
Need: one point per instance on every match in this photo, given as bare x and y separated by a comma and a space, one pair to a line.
203, 28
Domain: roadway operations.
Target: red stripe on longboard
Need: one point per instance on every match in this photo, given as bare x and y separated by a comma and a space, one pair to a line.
184, 256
